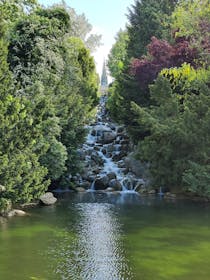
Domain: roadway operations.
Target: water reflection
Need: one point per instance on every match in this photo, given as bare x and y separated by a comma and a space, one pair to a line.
97, 251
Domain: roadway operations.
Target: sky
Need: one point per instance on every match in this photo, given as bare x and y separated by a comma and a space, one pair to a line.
106, 17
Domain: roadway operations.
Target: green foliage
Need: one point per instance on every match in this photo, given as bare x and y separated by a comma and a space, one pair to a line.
81, 28
191, 19
20, 170
147, 18
179, 132
5, 205
197, 179
117, 54
45, 100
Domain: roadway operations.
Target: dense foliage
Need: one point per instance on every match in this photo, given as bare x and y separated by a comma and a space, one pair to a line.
48, 90
162, 90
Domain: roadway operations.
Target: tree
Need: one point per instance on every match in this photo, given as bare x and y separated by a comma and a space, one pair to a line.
180, 115
117, 55
191, 20
147, 18
20, 170
81, 28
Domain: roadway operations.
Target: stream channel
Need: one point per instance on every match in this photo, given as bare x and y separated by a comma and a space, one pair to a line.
108, 234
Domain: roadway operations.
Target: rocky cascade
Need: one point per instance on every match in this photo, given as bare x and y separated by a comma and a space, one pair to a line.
105, 157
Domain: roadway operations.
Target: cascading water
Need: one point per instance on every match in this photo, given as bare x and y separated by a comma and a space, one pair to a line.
104, 151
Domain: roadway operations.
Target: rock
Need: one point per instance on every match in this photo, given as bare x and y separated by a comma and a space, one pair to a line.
117, 156
152, 192
85, 185
142, 191
111, 175
80, 189
140, 184
109, 189
170, 195
107, 137
135, 166
128, 182
101, 183
16, 212
96, 158
115, 185
48, 198
29, 205
120, 129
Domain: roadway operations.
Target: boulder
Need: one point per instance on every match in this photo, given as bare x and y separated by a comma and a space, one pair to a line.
97, 159
80, 189
48, 198
109, 189
115, 185
152, 192
135, 166
120, 129
101, 183
111, 175
140, 184
16, 212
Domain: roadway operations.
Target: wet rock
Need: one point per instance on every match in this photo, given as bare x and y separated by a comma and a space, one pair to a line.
120, 129
16, 212
111, 175
135, 166
170, 195
84, 185
115, 184
80, 189
109, 189
101, 183
48, 198
140, 183
151, 192
128, 183
107, 137
97, 159
117, 156
142, 190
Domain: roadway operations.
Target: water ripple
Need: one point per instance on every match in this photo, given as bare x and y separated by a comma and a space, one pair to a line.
97, 253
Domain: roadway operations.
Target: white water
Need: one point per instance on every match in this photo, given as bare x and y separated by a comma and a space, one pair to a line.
109, 165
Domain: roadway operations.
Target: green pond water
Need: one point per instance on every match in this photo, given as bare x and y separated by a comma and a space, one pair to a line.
108, 237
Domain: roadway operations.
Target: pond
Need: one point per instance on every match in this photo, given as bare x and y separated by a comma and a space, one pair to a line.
107, 236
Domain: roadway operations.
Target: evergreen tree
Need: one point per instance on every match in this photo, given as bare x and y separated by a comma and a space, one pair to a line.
20, 171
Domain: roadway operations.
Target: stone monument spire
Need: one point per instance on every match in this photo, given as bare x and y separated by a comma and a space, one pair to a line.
104, 79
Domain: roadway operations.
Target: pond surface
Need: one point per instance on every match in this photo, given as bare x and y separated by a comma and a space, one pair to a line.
98, 236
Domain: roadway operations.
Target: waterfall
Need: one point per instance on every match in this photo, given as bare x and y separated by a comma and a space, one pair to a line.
105, 150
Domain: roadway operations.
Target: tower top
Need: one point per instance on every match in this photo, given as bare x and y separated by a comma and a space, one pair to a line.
104, 79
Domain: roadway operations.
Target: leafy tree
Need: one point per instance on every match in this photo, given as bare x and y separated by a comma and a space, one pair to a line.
117, 55
191, 20
81, 28
174, 126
